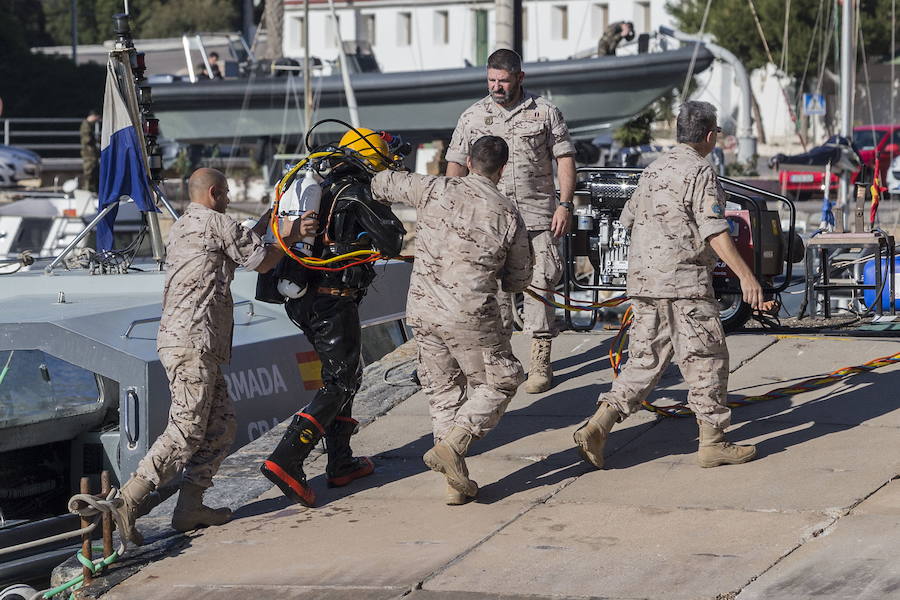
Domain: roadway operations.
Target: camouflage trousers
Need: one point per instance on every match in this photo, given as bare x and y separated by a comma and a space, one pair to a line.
689, 330
90, 168
539, 318
201, 425
451, 362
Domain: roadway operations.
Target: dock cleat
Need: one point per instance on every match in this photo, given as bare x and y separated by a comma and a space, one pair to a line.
284, 467
343, 467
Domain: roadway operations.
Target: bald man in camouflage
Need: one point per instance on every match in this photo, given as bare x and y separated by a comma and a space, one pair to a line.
677, 220
204, 248
469, 236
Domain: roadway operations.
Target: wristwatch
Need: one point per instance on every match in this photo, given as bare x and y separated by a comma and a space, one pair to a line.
568, 206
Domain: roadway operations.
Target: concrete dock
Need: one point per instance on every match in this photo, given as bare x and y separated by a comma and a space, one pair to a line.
817, 515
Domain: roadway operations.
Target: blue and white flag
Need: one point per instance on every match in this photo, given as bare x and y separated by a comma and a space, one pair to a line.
122, 168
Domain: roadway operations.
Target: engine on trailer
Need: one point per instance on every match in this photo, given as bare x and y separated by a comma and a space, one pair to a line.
598, 235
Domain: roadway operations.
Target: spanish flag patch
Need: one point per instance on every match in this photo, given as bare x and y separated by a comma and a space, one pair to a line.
310, 369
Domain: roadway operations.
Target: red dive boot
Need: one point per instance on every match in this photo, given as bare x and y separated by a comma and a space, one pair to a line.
284, 467
343, 467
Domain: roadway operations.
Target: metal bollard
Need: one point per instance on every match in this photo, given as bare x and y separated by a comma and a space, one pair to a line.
105, 487
86, 537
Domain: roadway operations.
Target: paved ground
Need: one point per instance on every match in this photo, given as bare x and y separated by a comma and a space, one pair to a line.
816, 516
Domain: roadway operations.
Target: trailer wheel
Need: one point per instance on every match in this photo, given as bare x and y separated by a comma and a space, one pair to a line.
733, 311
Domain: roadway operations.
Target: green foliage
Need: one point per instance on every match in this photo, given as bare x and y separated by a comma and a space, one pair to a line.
636, 132
734, 28
40, 85
149, 19
169, 18
94, 19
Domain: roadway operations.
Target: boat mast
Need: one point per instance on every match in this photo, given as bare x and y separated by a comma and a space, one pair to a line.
848, 80
307, 81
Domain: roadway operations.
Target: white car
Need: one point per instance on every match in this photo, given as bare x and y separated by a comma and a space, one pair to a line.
17, 164
893, 178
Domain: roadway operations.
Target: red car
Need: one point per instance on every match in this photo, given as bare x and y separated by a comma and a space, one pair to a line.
881, 141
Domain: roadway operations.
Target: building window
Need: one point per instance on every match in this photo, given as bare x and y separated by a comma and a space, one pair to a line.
524, 23
560, 22
441, 27
642, 17
369, 28
332, 30
404, 29
599, 18
301, 31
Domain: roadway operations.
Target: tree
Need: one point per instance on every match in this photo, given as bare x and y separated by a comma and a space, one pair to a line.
39, 85
153, 19
809, 25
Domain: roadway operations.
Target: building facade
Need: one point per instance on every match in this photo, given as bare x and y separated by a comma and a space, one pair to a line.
414, 35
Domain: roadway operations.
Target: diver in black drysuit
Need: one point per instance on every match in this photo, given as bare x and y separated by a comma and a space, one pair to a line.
329, 317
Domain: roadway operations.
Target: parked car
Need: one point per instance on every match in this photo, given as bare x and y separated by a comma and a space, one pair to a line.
17, 164
871, 141
892, 181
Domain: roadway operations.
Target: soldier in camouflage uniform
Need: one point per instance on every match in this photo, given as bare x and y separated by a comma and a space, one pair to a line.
614, 34
537, 135
678, 226
468, 236
204, 249
90, 153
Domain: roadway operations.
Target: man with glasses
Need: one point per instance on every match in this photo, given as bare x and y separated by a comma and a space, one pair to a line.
677, 221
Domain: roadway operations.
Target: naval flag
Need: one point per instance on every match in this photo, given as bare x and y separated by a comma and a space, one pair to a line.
122, 169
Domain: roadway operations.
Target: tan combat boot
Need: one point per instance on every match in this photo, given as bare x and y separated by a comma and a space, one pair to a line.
715, 451
540, 373
134, 494
591, 437
190, 513
455, 498
449, 457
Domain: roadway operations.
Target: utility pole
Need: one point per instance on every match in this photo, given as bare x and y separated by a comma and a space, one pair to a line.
508, 25
74, 31
503, 24
848, 83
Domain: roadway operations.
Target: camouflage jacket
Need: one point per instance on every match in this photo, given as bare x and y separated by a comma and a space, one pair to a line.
677, 205
204, 249
468, 235
90, 148
536, 134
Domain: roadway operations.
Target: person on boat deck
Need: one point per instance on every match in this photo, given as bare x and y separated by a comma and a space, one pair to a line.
536, 133
328, 314
612, 37
204, 248
676, 217
469, 237
90, 152
214, 65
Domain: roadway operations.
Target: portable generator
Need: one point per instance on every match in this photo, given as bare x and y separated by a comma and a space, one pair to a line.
597, 234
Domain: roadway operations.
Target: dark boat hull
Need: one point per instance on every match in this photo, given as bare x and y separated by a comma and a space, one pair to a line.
593, 93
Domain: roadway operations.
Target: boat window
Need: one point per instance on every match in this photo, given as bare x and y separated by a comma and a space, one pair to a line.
379, 340
35, 386
867, 139
31, 235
